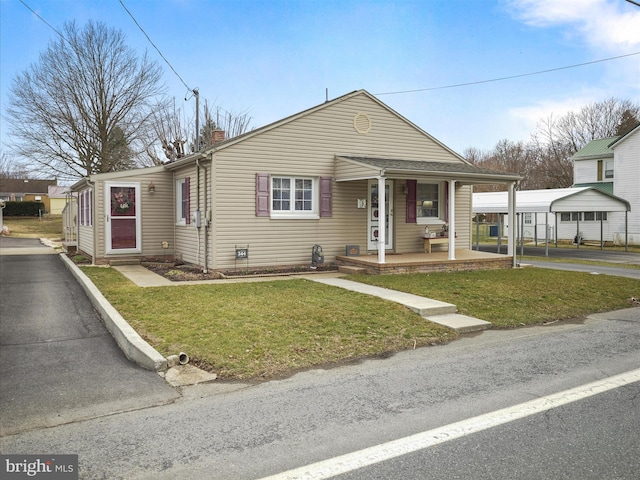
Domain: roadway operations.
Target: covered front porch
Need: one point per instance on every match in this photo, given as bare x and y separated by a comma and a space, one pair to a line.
440, 261
412, 204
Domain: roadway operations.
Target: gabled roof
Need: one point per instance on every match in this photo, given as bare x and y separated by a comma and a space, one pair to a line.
582, 199
25, 185
624, 137
57, 191
606, 187
596, 149
234, 140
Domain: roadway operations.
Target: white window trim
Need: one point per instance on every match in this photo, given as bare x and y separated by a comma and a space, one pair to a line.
180, 220
439, 220
312, 214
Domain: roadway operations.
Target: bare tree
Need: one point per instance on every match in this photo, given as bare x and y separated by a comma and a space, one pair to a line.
9, 168
506, 156
171, 130
556, 140
217, 119
546, 160
86, 103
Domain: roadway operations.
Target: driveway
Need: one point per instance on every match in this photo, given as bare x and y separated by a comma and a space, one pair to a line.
58, 363
572, 253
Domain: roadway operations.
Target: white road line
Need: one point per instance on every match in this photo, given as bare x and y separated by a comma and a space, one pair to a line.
379, 453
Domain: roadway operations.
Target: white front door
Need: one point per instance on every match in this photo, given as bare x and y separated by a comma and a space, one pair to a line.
122, 222
373, 220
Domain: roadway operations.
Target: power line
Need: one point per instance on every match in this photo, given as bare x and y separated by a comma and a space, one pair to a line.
509, 77
44, 21
157, 49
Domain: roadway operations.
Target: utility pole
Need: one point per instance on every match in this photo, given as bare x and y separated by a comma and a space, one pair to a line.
196, 93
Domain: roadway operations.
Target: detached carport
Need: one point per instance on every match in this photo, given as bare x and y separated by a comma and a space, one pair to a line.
559, 200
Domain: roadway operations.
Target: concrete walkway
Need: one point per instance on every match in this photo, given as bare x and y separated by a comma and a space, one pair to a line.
433, 310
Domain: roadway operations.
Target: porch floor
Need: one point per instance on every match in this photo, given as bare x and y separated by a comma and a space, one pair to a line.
425, 262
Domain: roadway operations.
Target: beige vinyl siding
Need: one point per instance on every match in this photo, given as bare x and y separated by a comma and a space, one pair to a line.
85, 233
464, 195
85, 240
189, 240
307, 147
156, 214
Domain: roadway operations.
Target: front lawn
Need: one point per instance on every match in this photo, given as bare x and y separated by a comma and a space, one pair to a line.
47, 226
517, 297
265, 330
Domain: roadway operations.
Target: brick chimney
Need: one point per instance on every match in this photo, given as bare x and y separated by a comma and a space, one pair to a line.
217, 136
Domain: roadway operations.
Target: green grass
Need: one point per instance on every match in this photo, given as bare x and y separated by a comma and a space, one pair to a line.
265, 330
48, 226
516, 297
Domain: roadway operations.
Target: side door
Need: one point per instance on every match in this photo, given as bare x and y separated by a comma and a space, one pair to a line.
122, 227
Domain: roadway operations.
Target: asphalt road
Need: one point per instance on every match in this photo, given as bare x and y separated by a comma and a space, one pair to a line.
58, 363
239, 431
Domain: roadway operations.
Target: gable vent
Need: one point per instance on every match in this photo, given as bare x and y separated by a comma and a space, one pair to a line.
362, 123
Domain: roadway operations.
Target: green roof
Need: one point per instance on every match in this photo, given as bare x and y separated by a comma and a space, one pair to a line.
606, 187
596, 148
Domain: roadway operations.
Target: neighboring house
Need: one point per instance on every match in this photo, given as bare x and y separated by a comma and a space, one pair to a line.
26, 190
57, 198
613, 166
350, 171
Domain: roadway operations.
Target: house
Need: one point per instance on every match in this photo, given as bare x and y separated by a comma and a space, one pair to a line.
26, 190
350, 177
57, 196
613, 166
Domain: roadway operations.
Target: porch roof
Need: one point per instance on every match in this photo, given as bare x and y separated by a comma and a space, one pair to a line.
354, 167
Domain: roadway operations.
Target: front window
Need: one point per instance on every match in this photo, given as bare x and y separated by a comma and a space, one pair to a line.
293, 196
428, 201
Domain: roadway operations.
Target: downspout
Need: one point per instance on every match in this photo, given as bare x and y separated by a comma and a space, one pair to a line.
94, 205
626, 230
198, 219
206, 222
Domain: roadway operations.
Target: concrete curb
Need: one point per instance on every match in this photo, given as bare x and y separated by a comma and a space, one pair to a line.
132, 344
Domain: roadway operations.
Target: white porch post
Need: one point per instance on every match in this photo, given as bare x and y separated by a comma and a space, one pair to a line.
452, 219
511, 243
382, 219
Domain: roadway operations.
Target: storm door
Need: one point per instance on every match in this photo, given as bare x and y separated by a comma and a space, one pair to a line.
122, 209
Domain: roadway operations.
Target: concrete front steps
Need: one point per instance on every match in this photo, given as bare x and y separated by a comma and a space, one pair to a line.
433, 310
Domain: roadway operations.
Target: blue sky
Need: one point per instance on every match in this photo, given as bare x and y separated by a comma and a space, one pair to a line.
274, 58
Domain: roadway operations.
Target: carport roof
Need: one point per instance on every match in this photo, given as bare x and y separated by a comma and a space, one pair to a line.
579, 199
